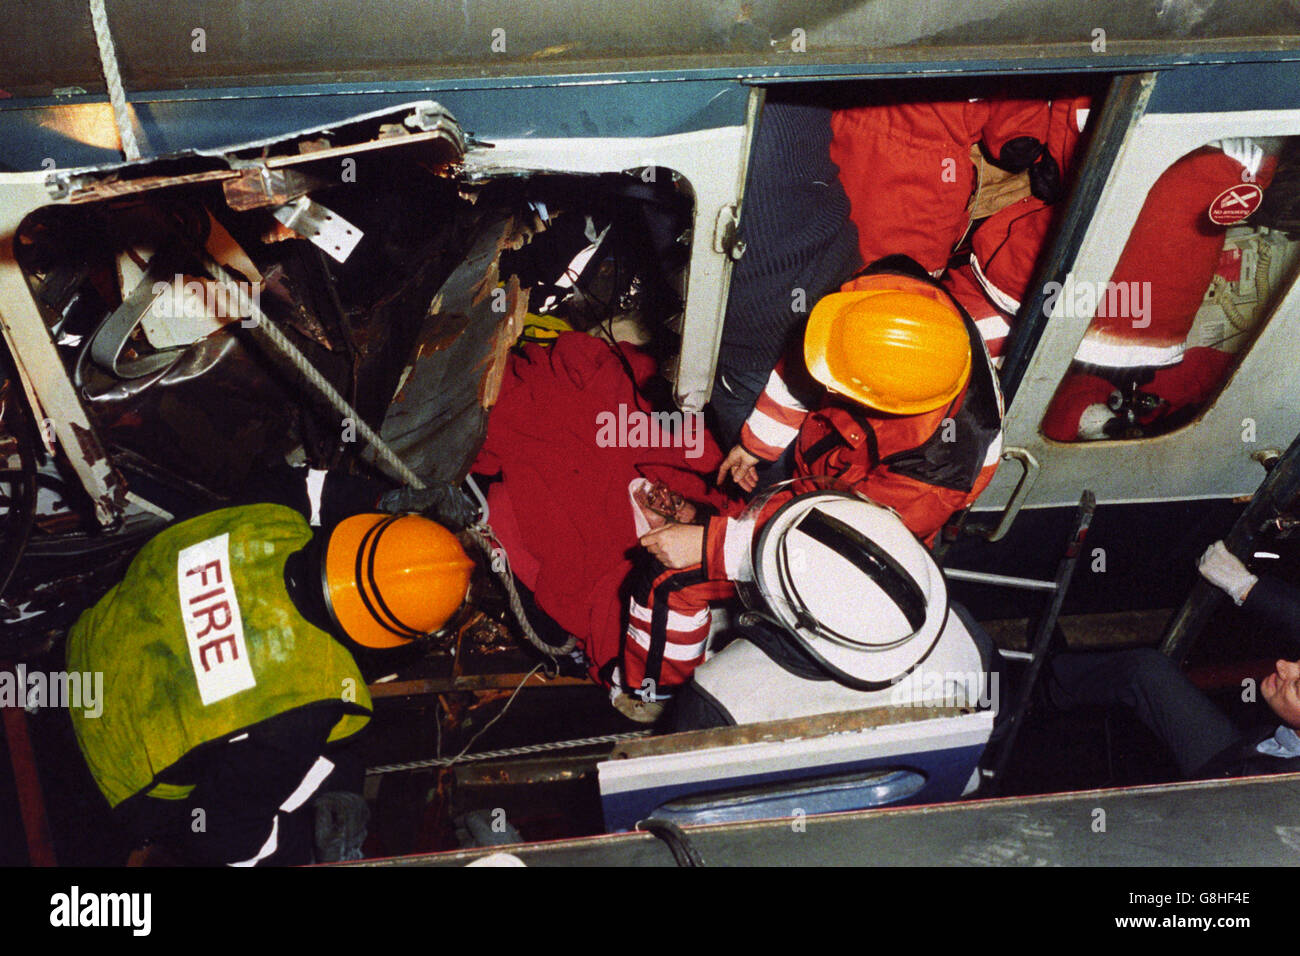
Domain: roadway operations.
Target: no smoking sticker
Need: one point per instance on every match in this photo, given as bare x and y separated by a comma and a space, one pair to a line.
1235, 204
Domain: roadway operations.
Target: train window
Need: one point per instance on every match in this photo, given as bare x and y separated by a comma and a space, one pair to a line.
1210, 254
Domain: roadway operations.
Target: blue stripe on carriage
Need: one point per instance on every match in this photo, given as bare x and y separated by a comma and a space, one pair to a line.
946, 771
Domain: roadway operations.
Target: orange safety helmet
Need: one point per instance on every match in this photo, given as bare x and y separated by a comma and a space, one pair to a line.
893, 343
391, 578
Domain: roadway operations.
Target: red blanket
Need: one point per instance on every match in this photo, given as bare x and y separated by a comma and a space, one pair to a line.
568, 434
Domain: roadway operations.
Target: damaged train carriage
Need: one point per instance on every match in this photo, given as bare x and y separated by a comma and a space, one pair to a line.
344, 292
136, 299
186, 330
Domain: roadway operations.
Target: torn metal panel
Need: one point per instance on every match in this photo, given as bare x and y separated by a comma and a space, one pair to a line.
60, 416
438, 127
432, 126
94, 190
255, 187
436, 420
507, 334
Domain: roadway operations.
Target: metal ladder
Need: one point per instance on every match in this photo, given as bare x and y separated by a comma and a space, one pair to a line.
1009, 724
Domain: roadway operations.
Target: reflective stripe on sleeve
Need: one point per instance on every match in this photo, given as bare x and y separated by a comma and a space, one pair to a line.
677, 621
270, 846
770, 432
1114, 354
672, 652
1003, 301
737, 562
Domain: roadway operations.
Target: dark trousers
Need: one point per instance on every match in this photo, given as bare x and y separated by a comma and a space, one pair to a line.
1190, 726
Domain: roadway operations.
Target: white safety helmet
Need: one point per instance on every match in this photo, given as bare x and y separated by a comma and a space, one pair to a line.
853, 585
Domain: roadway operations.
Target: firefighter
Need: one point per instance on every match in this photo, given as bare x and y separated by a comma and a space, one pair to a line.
231, 689
830, 190
910, 418
852, 613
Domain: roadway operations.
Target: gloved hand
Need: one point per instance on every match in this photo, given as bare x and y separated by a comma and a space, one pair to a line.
1221, 568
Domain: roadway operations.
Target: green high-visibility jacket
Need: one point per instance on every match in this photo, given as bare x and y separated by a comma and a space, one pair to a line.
199, 643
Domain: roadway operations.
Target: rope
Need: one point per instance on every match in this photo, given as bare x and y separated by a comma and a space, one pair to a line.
113, 77
507, 752
499, 562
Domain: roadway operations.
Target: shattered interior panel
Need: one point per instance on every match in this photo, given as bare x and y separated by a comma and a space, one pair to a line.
401, 283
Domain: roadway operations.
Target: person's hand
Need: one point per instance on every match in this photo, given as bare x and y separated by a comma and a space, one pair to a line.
742, 466
1221, 568
676, 546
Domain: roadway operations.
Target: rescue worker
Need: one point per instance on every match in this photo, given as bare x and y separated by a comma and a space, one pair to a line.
852, 613
231, 690
1203, 741
922, 177
911, 419
914, 179
911, 414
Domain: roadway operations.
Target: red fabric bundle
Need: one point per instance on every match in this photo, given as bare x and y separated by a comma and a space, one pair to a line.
549, 438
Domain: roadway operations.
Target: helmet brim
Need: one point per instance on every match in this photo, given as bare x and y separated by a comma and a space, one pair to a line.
859, 664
